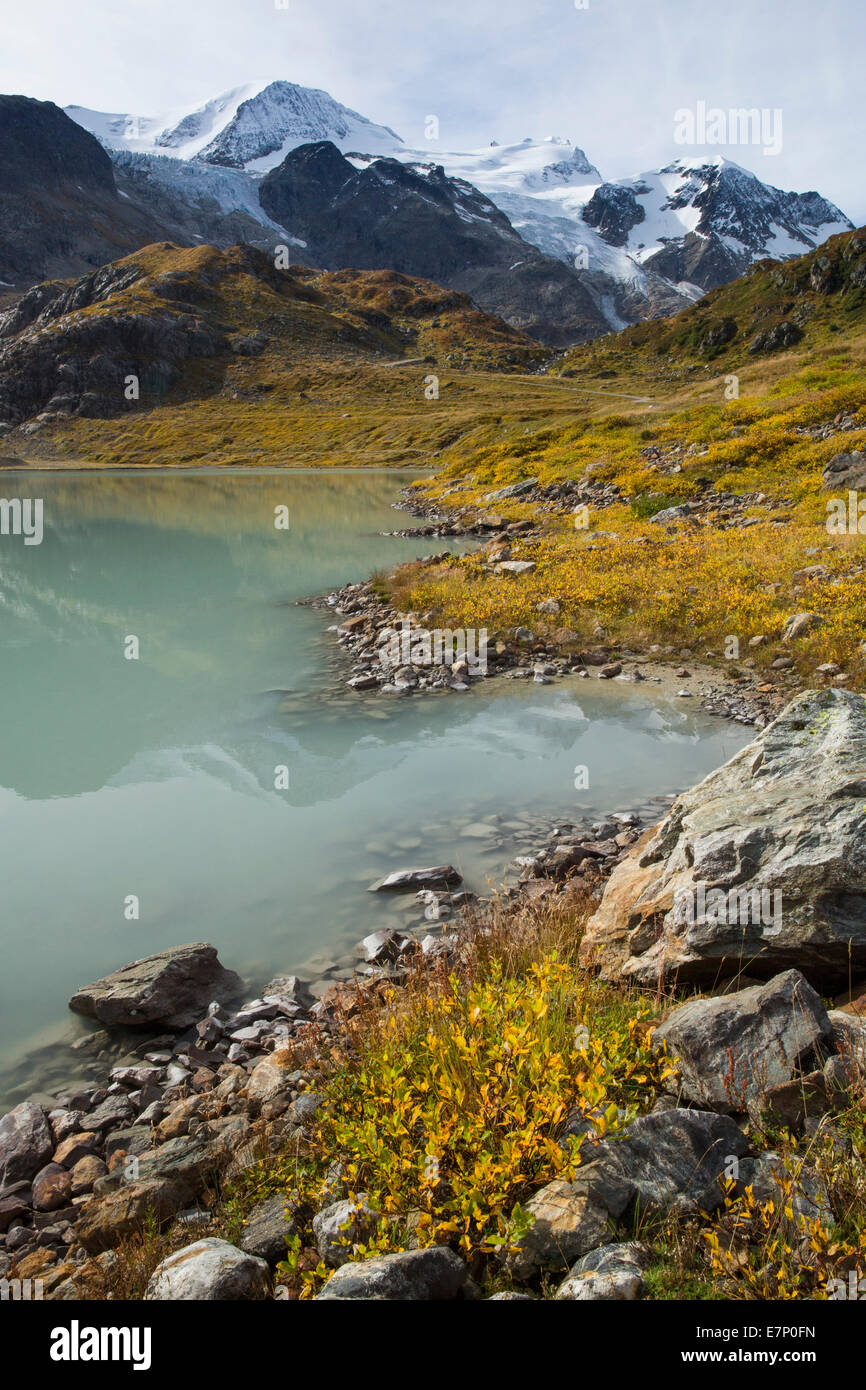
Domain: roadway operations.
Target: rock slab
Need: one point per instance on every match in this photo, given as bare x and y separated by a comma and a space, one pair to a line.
730, 1049
759, 869
171, 988
432, 1275
26, 1143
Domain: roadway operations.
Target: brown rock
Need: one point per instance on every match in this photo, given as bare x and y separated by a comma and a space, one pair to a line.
852, 1001
57, 1275
353, 624
179, 1119
34, 1265
269, 1080
86, 1172
52, 1188
793, 1103
172, 988
624, 919
105, 1221
76, 1147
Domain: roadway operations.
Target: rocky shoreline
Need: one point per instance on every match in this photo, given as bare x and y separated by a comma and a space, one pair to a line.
204, 1088
388, 652
215, 1083
370, 629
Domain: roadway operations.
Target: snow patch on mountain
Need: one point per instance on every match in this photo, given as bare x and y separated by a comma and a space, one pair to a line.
232, 189
252, 126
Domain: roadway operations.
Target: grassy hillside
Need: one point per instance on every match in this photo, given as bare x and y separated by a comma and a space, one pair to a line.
341, 377
755, 550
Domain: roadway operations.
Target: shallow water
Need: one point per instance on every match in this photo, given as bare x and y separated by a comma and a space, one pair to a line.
155, 777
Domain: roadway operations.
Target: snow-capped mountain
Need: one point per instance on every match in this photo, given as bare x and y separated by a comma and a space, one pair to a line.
704, 221
251, 127
664, 236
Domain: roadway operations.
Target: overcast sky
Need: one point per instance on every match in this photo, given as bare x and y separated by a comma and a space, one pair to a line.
610, 76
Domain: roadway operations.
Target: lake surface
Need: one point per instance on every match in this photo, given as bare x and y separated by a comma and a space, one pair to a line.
155, 777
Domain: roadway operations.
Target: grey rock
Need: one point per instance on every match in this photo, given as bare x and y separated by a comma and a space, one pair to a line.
186, 1160
669, 514
132, 1141
672, 1160
64, 1123
115, 1110
613, 1273
26, 1143
171, 988
784, 816
513, 490
767, 1173
568, 1220
287, 990
730, 1049
435, 1274
799, 624
515, 567
403, 880
210, 1269
19, 1237
336, 1228
12, 1209
845, 471
266, 1229
382, 946
136, 1076
303, 1110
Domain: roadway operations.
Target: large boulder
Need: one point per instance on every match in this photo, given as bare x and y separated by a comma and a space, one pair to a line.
759, 868
26, 1143
171, 989
105, 1221
432, 1275
154, 1188
673, 1160
209, 1270
730, 1049
845, 471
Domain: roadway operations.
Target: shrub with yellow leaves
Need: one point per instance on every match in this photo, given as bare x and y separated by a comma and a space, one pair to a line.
448, 1114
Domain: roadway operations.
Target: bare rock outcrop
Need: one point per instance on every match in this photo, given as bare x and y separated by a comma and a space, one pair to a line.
761, 868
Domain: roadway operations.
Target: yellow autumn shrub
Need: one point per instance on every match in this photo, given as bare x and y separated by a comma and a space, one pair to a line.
447, 1116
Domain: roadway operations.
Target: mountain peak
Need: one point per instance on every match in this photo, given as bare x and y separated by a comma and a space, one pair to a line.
253, 126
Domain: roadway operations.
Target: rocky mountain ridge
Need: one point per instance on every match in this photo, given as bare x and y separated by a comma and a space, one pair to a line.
660, 236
